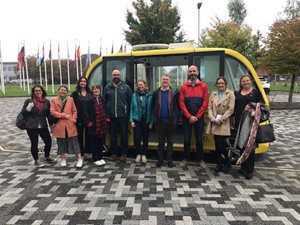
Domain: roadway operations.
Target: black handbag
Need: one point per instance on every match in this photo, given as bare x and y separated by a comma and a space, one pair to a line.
21, 121
265, 133
53, 119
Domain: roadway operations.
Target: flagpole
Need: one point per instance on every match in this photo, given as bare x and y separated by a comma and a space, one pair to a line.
80, 61
20, 68
27, 76
2, 73
68, 65
51, 67
38, 63
59, 65
100, 52
45, 67
76, 60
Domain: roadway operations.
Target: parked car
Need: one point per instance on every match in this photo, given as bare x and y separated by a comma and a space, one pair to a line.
266, 84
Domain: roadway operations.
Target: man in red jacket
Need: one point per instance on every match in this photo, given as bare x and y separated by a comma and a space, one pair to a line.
193, 101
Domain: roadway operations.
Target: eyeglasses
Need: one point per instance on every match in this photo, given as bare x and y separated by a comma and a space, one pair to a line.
190, 71
116, 74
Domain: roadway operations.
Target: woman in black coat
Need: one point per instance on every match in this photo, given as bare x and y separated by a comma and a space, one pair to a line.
35, 111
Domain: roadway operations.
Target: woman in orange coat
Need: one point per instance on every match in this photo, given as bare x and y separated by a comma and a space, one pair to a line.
63, 107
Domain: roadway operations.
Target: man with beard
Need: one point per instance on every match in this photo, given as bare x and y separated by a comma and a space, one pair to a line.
117, 96
193, 101
165, 113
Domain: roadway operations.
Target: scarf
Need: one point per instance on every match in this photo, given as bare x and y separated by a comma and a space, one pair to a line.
139, 96
252, 134
39, 102
63, 100
100, 117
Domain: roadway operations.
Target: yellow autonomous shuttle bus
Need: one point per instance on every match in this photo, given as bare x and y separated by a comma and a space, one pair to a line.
150, 61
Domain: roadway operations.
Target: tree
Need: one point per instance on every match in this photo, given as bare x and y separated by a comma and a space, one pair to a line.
231, 35
237, 11
292, 10
158, 22
281, 53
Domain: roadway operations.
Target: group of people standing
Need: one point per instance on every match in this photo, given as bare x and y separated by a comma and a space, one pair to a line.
83, 119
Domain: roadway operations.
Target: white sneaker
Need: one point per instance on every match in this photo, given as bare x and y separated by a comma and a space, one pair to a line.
138, 158
183, 163
202, 164
144, 159
38, 163
102, 162
98, 163
63, 163
79, 163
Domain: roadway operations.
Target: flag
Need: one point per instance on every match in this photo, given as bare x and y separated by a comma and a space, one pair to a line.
121, 48
112, 48
88, 57
78, 53
21, 56
50, 53
38, 57
43, 56
100, 52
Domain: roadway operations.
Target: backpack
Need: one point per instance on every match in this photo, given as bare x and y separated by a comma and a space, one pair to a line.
20, 121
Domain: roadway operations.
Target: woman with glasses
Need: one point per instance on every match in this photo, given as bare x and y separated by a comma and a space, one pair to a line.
36, 110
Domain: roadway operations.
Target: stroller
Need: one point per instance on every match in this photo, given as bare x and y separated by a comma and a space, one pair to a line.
233, 152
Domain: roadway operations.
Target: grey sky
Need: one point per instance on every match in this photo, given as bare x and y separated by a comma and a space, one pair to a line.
38, 21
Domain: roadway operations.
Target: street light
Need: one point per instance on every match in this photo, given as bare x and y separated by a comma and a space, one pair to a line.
199, 6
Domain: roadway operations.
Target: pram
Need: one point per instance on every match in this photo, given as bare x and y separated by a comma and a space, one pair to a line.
232, 151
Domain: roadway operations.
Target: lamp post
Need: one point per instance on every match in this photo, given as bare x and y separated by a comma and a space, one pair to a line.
199, 6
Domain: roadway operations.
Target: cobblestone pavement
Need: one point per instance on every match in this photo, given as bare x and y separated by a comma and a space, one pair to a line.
130, 193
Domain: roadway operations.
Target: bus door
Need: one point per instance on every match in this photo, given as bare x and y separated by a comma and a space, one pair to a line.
151, 69
210, 65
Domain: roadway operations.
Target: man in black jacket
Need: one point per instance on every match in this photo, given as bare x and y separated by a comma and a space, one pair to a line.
117, 96
165, 113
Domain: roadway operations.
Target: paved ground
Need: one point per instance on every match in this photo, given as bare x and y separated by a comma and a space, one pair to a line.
128, 193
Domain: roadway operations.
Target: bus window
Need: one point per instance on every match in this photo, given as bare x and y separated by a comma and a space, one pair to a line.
152, 68
122, 65
233, 72
209, 69
96, 76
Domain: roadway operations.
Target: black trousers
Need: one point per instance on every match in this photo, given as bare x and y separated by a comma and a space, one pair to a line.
187, 133
141, 132
83, 139
122, 124
165, 130
97, 144
33, 135
220, 143
248, 165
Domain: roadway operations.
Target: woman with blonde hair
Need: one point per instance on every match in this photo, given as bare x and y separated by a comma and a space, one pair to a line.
63, 107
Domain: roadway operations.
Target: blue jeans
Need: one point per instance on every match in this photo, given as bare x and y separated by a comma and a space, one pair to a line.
187, 133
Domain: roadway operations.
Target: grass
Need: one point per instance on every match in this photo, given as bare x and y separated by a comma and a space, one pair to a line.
284, 86
14, 90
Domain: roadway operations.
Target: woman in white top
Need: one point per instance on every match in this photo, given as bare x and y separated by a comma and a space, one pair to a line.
220, 108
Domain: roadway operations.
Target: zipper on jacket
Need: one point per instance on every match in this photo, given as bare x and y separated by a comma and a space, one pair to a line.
116, 102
